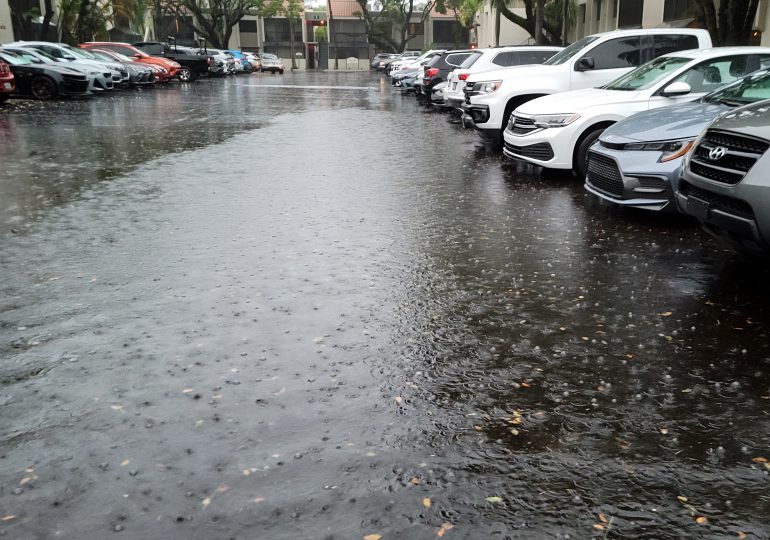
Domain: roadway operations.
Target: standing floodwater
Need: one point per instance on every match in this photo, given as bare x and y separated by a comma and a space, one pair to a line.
305, 307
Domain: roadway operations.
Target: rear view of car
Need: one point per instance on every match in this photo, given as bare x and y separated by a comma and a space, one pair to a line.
7, 83
725, 183
272, 63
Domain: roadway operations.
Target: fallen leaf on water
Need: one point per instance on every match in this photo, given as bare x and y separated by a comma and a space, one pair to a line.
514, 431
117, 408
279, 392
8, 518
515, 421
477, 428
371, 454
759, 460
206, 502
602, 518
426, 502
700, 520
415, 481
246, 472
259, 499
682, 498
444, 528
741, 534
187, 390
25, 480
199, 423
124, 462
525, 385
666, 314
397, 399
599, 526
30, 470
373, 537
494, 499
222, 489
584, 338
664, 431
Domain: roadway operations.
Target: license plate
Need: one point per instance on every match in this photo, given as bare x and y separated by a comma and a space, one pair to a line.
697, 208
7, 86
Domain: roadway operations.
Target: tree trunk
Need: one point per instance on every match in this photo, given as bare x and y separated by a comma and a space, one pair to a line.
497, 27
291, 44
539, 22
45, 28
564, 18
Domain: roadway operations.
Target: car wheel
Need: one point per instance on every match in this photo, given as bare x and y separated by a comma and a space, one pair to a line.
43, 87
580, 164
185, 74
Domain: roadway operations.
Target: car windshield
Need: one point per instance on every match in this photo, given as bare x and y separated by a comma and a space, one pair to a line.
47, 58
750, 89
15, 59
565, 54
32, 57
80, 53
647, 75
269, 56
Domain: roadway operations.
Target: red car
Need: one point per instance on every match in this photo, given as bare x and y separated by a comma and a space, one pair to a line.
142, 57
7, 84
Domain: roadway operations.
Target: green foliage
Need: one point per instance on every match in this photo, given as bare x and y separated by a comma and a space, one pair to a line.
321, 33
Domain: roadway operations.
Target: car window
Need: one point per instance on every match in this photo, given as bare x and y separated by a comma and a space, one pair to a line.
565, 54
470, 60
647, 75
616, 53
506, 58
14, 59
456, 59
534, 57
711, 74
755, 87
668, 43
152, 48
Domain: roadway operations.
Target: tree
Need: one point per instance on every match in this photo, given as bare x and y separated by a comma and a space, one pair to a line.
731, 23
292, 10
395, 18
552, 19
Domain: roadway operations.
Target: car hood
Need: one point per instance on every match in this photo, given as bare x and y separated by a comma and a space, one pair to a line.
576, 101
516, 72
666, 123
753, 120
65, 70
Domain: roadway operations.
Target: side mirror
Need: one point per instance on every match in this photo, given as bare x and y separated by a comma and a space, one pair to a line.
137, 55
585, 64
679, 88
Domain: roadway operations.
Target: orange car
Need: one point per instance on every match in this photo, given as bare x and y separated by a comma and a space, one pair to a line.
132, 52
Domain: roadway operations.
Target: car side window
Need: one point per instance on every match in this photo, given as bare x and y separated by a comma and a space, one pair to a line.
126, 51
56, 53
668, 43
456, 59
617, 53
712, 74
152, 49
507, 58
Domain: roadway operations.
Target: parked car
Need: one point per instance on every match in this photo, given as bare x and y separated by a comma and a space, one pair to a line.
489, 59
437, 94
100, 77
191, 65
7, 82
138, 74
98, 80
491, 96
407, 63
271, 63
253, 60
383, 64
408, 56
43, 81
725, 183
556, 131
637, 161
171, 67
376, 59
437, 69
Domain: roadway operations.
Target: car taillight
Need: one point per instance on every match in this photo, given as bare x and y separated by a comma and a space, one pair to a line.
462, 76
432, 72
208, 60
4, 68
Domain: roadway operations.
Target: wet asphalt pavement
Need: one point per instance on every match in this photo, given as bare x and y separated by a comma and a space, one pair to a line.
305, 307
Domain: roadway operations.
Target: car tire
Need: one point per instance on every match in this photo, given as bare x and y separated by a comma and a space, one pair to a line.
185, 74
580, 160
43, 88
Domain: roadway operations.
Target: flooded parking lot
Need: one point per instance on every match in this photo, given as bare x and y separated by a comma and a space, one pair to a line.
308, 307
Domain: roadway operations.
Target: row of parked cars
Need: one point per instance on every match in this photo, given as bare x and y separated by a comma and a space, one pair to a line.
655, 119
45, 70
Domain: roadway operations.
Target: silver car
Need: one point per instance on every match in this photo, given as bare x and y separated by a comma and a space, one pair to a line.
637, 161
725, 183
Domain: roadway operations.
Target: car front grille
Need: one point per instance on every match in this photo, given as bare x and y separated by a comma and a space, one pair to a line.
520, 125
539, 151
716, 201
739, 153
603, 174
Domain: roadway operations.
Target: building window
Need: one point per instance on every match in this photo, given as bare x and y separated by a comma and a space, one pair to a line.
598, 9
247, 26
416, 29
678, 9
630, 13
582, 10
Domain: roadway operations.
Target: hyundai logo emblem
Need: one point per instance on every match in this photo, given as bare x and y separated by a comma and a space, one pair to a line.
717, 153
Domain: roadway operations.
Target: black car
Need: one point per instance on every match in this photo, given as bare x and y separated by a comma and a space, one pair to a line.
44, 81
437, 69
193, 65
138, 74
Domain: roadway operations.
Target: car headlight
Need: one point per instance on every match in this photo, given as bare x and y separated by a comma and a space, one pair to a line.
554, 120
670, 150
486, 87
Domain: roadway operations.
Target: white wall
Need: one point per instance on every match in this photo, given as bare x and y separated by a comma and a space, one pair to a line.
6, 29
510, 34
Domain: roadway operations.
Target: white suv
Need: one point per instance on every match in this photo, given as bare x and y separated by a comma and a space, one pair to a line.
556, 131
491, 96
488, 59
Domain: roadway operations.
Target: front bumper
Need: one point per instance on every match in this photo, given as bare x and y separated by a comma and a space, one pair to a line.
552, 148
633, 178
